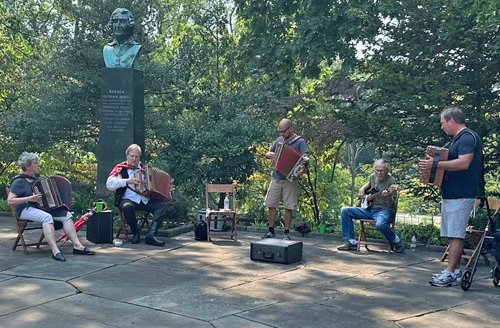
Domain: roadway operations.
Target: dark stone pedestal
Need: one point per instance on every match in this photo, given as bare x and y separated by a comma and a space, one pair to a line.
122, 120
100, 227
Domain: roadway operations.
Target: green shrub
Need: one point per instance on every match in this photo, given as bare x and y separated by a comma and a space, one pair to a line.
81, 203
178, 207
479, 221
425, 233
3, 206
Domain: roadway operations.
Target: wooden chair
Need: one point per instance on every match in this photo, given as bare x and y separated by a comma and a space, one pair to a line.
142, 221
221, 215
362, 241
475, 236
22, 226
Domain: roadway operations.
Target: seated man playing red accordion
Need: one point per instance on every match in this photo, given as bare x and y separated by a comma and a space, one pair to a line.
123, 181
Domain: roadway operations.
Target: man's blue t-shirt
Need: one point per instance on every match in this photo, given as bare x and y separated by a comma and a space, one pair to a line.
466, 183
300, 144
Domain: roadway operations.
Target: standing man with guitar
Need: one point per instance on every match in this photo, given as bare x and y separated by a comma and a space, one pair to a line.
382, 208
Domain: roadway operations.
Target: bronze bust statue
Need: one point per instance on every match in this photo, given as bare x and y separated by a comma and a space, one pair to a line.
123, 52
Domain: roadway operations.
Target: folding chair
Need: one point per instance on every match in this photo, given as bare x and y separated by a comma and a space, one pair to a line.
222, 215
362, 241
22, 226
144, 221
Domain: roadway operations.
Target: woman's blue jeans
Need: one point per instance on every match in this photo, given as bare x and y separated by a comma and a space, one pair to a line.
383, 219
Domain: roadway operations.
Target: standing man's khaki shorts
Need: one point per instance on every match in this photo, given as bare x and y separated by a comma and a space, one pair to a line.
282, 189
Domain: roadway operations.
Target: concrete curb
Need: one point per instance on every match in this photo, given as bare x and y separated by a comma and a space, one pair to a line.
326, 236
175, 231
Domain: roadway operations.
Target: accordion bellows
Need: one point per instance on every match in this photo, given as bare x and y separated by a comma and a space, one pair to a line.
154, 183
55, 191
288, 161
434, 175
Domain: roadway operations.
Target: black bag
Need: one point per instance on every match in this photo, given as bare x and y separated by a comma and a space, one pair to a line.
200, 230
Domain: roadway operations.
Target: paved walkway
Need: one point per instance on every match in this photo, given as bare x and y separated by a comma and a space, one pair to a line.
199, 284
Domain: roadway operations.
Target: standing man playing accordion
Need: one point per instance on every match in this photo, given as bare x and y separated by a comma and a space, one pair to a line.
123, 181
463, 181
280, 187
25, 204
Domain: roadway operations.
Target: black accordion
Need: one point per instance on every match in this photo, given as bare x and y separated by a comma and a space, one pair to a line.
55, 191
288, 161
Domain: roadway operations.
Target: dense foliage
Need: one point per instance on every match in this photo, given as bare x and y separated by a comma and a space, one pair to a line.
360, 79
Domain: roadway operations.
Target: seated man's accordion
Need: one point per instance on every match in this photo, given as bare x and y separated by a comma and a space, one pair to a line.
288, 161
154, 183
55, 191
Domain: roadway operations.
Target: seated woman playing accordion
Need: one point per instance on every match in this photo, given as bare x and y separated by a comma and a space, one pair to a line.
26, 204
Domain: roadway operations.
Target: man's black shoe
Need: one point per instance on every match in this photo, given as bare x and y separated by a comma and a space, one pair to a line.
59, 257
84, 251
136, 239
152, 240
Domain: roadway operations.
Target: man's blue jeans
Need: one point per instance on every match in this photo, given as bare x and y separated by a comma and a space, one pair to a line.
382, 218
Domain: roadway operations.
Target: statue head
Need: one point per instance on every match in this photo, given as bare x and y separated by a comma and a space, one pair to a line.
121, 23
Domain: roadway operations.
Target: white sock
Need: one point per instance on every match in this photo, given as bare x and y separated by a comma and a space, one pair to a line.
396, 240
353, 241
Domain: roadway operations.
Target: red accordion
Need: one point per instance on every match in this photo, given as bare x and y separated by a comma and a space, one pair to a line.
55, 191
154, 183
434, 175
288, 161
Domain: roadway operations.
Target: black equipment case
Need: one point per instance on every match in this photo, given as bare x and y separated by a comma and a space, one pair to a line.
100, 227
276, 250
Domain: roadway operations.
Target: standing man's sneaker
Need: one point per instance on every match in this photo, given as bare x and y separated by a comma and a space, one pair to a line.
399, 247
269, 234
443, 280
348, 247
286, 236
457, 275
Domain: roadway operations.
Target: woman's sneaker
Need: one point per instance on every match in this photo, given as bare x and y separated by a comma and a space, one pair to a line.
443, 280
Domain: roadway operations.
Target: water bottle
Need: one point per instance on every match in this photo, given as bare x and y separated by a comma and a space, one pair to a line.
413, 243
226, 204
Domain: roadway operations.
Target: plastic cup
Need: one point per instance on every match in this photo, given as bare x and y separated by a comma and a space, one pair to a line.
98, 207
